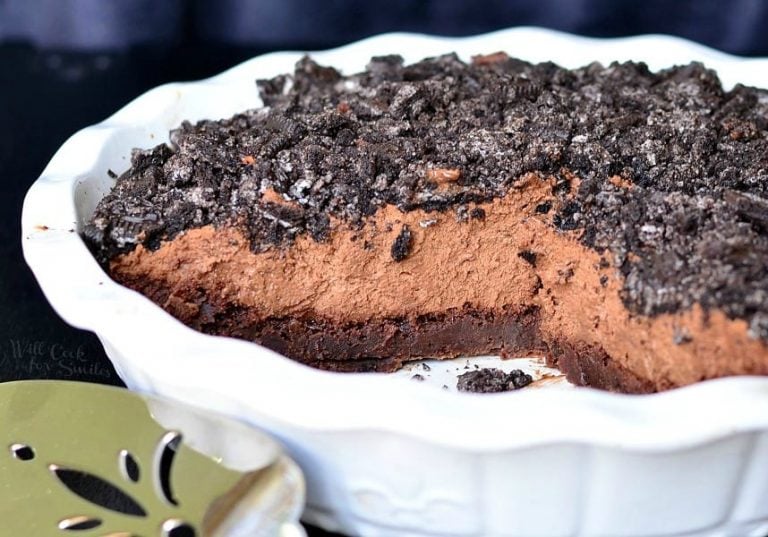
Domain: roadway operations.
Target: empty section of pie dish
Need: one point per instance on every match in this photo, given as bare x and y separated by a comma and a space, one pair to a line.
384, 454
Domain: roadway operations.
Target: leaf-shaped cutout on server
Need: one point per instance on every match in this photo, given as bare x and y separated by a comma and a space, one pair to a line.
79, 523
129, 466
177, 528
23, 452
164, 457
98, 491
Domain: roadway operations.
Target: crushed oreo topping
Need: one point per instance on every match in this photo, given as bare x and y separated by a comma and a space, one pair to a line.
680, 336
478, 213
528, 256
402, 245
492, 380
544, 208
672, 169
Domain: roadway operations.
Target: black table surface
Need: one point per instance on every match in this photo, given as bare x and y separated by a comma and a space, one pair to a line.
44, 98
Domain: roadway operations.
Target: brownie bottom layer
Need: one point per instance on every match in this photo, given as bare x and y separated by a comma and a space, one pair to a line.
381, 345
586, 365
385, 345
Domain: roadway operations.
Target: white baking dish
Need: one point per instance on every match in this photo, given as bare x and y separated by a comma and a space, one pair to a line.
385, 455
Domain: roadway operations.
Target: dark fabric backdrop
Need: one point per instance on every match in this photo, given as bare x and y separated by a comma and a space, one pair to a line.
737, 26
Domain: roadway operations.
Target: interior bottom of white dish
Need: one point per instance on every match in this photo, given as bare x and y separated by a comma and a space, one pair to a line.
444, 374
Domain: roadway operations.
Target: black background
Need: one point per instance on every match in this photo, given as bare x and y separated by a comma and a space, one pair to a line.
49, 89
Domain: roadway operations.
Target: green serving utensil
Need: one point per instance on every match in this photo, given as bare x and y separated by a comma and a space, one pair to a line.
89, 460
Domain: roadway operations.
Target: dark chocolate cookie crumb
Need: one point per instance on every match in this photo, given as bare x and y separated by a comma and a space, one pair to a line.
478, 213
564, 275
681, 336
672, 168
544, 208
401, 248
528, 256
492, 380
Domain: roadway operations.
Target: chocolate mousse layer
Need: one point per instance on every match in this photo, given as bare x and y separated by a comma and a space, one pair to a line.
609, 218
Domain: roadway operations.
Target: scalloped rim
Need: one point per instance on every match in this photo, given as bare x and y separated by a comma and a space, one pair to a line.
276, 388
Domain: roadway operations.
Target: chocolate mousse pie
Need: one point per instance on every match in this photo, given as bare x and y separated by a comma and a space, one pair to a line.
611, 219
